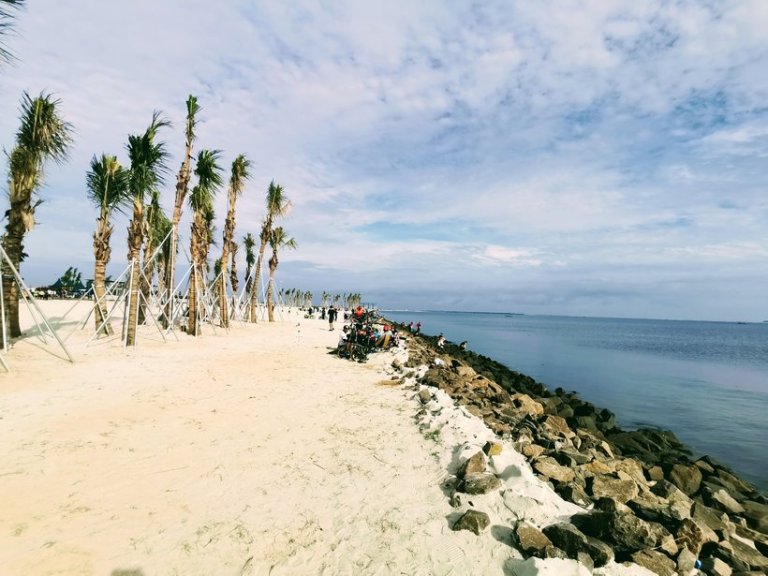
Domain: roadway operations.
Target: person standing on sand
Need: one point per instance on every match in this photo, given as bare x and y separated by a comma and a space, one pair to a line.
331, 316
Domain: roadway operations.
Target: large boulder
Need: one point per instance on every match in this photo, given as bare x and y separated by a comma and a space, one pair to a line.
530, 539
473, 465
687, 478
570, 539
625, 531
757, 515
478, 483
619, 490
550, 468
473, 520
656, 562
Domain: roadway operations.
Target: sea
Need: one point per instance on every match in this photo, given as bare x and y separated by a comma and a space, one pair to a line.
705, 381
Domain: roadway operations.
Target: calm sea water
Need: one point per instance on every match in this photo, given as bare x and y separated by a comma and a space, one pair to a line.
705, 381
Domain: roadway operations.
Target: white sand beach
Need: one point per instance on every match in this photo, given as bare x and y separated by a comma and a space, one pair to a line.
247, 451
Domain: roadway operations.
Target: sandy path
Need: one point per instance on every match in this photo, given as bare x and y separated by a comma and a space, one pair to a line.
253, 452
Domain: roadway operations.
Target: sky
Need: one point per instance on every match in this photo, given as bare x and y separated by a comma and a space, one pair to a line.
591, 158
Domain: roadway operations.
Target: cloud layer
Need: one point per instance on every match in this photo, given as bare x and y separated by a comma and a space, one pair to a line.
596, 158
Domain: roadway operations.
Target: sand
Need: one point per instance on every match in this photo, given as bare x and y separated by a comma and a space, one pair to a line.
246, 451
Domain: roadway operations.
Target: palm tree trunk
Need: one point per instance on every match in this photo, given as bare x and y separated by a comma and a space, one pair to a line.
100, 306
256, 280
133, 304
223, 305
135, 228
13, 245
270, 304
192, 323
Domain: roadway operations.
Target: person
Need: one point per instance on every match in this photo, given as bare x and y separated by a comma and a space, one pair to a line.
440, 340
332, 316
410, 327
322, 313
359, 312
463, 345
418, 327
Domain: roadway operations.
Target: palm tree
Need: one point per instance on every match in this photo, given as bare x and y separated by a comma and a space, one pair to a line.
250, 259
234, 247
155, 231
182, 185
277, 205
6, 18
107, 183
277, 239
147, 166
43, 135
238, 176
209, 179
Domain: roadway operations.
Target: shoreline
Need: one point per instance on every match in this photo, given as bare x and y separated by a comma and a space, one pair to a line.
253, 451
631, 475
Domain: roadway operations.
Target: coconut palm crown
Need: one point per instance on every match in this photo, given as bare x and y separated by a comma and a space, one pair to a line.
43, 135
277, 205
209, 180
107, 189
239, 174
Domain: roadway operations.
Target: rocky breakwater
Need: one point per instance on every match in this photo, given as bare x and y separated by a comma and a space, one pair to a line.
645, 499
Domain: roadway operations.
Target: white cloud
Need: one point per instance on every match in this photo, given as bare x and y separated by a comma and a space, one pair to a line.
529, 140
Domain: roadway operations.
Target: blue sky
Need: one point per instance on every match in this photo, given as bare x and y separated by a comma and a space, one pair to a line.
602, 158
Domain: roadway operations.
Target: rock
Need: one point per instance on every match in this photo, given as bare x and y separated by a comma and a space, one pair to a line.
720, 498
632, 469
715, 519
424, 395
687, 478
597, 467
573, 492
676, 497
656, 562
492, 448
473, 520
557, 425
693, 534
655, 473
533, 450
531, 540
627, 532
619, 490
756, 515
747, 555
548, 467
465, 371
526, 404
686, 561
715, 567
570, 539
735, 485
479, 483
473, 465
759, 539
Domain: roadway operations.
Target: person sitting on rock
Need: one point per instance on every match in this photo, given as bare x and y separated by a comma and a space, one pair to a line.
441, 341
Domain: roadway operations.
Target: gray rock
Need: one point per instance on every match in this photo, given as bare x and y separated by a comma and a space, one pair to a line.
473, 465
479, 483
720, 498
472, 520
619, 490
656, 562
757, 515
573, 492
693, 534
715, 567
687, 478
570, 539
424, 396
686, 561
548, 467
626, 532
531, 540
